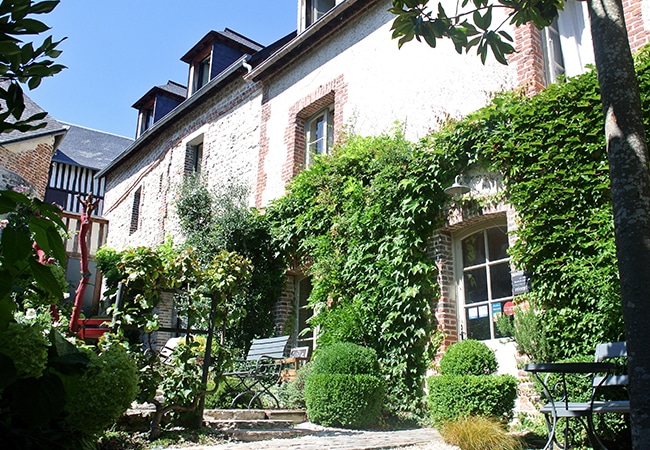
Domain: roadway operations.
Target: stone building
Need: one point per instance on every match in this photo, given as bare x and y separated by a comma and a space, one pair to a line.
257, 115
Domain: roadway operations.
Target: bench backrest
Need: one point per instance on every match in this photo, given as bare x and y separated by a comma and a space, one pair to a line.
608, 351
274, 347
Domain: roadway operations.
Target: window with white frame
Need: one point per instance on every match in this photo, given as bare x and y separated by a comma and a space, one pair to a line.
317, 9
201, 73
566, 43
483, 280
146, 119
319, 136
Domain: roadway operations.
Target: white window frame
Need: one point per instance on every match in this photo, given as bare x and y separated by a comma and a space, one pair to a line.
459, 271
566, 43
201, 72
318, 142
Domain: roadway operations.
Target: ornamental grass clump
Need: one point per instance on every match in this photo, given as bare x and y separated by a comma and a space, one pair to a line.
463, 390
343, 388
479, 433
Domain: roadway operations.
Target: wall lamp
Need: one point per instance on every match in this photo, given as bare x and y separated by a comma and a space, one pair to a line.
457, 189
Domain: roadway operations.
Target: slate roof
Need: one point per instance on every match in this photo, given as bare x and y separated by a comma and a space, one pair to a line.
171, 89
232, 38
90, 148
52, 126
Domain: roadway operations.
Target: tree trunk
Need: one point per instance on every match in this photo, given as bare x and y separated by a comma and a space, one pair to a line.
630, 183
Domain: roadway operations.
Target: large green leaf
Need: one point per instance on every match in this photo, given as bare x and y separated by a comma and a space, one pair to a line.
45, 278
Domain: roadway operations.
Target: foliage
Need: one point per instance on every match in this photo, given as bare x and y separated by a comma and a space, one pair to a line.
479, 433
346, 357
292, 394
359, 221
22, 62
345, 400
468, 357
105, 391
454, 396
416, 20
27, 346
219, 219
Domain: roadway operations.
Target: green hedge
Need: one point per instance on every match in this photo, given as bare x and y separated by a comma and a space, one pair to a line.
453, 396
346, 358
469, 357
344, 400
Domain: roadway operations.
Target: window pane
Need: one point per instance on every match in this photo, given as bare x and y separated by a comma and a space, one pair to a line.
497, 244
473, 250
501, 281
478, 322
475, 282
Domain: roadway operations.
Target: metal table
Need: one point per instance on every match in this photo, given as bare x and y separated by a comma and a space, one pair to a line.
559, 405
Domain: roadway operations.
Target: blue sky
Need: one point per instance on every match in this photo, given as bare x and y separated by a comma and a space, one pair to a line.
116, 50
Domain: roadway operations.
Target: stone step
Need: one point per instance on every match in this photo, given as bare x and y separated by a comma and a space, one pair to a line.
264, 424
296, 416
263, 435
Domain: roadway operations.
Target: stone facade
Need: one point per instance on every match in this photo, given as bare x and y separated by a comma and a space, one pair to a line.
228, 125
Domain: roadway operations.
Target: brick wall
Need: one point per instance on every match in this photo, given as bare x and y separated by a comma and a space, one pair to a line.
30, 159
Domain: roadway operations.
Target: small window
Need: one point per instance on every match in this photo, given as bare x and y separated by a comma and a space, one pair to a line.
319, 134
485, 285
146, 120
135, 211
194, 156
202, 73
304, 335
553, 59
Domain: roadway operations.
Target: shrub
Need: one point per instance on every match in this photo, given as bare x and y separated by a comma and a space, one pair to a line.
346, 358
468, 357
104, 391
292, 394
349, 401
454, 396
27, 346
479, 433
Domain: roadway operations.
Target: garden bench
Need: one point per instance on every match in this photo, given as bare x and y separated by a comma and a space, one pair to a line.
603, 375
255, 375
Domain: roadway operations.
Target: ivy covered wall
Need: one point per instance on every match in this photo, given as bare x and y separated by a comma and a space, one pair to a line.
359, 222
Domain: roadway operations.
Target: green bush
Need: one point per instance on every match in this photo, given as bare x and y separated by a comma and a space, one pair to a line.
454, 396
346, 358
104, 391
468, 357
349, 401
292, 394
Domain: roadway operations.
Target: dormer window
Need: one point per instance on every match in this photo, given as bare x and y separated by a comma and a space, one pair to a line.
317, 9
146, 119
201, 73
311, 11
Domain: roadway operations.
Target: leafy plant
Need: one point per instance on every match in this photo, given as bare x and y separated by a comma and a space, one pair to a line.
220, 219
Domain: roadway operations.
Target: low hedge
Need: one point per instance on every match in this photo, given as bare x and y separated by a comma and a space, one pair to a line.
468, 357
454, 396
344, 400
346, 358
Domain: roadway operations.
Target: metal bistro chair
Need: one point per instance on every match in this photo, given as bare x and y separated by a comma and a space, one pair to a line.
261, 369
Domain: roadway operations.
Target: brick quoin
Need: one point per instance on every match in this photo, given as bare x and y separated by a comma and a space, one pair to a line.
33, 165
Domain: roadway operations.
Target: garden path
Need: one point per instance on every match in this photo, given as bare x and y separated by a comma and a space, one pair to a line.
340, 439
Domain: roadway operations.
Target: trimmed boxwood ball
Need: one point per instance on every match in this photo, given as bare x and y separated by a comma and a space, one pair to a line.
346, 358
454, 396
344, 400
469, 357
